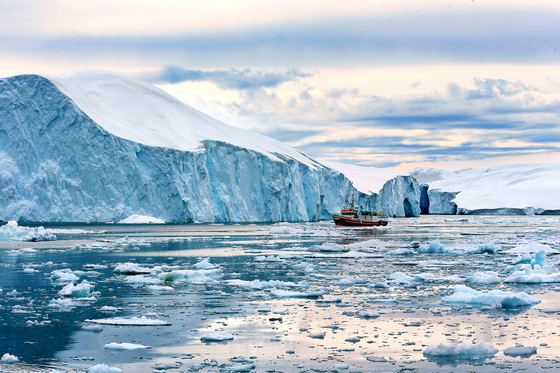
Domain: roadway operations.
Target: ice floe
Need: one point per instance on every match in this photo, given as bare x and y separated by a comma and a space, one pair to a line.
125, 346
520, 351
81, 290
216, 337
9, 359
102, 368
132, 321
479, 349
201, 276
13, 232
465, 295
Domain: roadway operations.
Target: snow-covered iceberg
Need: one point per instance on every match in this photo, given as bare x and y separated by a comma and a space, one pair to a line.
518, 189
105, 148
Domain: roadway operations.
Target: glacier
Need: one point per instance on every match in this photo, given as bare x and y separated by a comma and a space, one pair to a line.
104, 148
516, 189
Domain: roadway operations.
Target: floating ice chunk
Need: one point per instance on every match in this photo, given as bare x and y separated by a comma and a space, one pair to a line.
293, 294
94, 266
201, 276
82, 290
109, 309
12, 232
329, 247
133, 321
376, 359
368, 314
489, 248
520, 351
9, 359
102, 368
352, 339
239, 368
143, 280
532, 247
545, 274
125, 346
131, 269
160, 289
381, 285
400, 277
317, 335
465, 295
341, 366
62, 304
461, 350
216, 337
522, 259
22, 251
204, 264
350, 281
435, 247
401, 252
92, 328
64, 275
29, 270
270, 258
141, 219
483, 278
286, 230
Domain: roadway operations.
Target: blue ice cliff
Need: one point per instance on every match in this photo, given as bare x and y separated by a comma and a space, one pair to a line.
101, 149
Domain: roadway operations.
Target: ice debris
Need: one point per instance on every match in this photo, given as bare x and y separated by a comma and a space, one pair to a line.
125, 346
520, 351
9, 359
102, 368
81, 290
216, 337
435, 247
12, 232
479, 349
133, 321
465, 295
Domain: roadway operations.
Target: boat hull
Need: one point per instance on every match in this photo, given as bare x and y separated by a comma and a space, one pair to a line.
355, 222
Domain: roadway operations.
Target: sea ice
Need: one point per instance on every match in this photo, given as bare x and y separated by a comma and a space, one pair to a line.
81, 290
12, 232
131, 269
9, 359
125, 346
465, 295
102, 368
539, 274
204, 264
489, 248
463, 350
216, 337
520, 351
293, 294
435, 247
64, 275
133, 321
483, 278
200, 276
531, 247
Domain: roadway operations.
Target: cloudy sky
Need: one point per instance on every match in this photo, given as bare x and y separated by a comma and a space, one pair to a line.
441, 83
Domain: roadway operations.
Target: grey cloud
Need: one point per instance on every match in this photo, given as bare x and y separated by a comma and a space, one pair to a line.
226, 79
477, 37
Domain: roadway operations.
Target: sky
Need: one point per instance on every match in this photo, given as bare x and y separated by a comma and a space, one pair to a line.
452, 84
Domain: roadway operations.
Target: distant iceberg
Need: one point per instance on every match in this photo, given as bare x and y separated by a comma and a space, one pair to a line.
518, 189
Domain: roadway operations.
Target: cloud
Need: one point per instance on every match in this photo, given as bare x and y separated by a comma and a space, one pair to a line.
226, 79
530, 36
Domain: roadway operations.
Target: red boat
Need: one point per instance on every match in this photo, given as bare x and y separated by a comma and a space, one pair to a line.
351, 216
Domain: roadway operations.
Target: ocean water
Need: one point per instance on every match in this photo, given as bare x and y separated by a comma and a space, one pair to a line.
291, 297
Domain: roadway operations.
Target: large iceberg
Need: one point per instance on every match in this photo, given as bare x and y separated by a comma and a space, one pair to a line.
105, 148
518, 189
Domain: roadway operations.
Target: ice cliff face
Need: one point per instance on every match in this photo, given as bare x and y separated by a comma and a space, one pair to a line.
519, 189
58, 164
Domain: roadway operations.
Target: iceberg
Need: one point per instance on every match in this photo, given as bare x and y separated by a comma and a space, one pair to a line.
517, 189
105, 148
